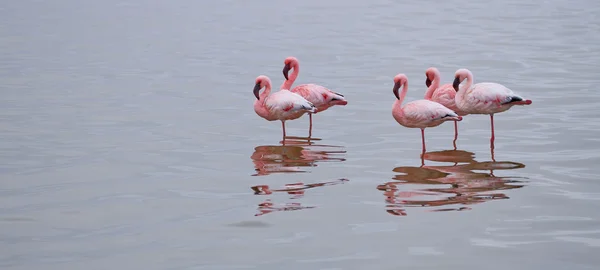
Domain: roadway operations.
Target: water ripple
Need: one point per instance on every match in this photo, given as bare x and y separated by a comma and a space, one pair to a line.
452, 185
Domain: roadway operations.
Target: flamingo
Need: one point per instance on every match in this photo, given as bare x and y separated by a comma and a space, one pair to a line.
282, 105
443, 94
419, 113
484, 98
320, 96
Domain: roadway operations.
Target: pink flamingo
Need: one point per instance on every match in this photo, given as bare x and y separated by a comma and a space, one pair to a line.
419, 113
320, 96
443, 94
484, 98
282, 105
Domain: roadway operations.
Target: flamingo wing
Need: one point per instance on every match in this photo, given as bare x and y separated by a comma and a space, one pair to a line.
492, 93
286, 101
445, 95
425, 111
317, 94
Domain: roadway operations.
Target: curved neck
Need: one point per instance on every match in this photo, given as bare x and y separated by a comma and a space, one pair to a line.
462, 91
403, 93
287, 84
434, 85
263, 96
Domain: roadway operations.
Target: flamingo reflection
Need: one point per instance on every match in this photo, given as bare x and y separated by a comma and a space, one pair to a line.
454, 188
295, 189
294, 156
268, 207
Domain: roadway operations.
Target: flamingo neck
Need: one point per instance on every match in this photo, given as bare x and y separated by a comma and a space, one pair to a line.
259, 105
462, 90
263, 96
397, 107
402, 94
287, 84
434, 85
397, 110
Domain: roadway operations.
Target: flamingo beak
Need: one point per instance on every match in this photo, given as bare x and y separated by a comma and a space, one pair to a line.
257, 88
428, 82
286, 69
456, 83
396, 87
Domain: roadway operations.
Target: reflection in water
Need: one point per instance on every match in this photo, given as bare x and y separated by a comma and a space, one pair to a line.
268, 207
452, 185
295, 189
293, 156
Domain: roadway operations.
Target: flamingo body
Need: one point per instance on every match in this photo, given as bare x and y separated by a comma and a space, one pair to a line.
286, 105
484, 98
442, 94
318, 95
419, 113
422, 114
445, 95
282, 105
489, 98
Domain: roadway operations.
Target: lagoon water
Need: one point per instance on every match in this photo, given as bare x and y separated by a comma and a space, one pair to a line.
128, 138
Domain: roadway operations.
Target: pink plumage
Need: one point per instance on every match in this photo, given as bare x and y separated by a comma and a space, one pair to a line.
318, 95
282, 105
443, 94
484, 98
419, 113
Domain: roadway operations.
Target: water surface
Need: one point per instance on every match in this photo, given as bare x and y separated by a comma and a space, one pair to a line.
128, 137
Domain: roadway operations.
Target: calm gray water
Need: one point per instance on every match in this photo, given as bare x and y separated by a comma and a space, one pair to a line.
128, 138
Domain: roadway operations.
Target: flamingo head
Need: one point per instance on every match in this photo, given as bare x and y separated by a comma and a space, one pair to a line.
431, 73
261, 81
399, 81
459, 76
289, 63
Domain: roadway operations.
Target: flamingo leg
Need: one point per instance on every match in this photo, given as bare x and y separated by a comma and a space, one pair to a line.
310, 126
493, 137
455, 134
283, 127
423, 139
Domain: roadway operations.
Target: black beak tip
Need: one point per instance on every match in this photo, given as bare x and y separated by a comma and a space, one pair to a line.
256, 90
286, 69
395, 90
456, 83
428, 82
